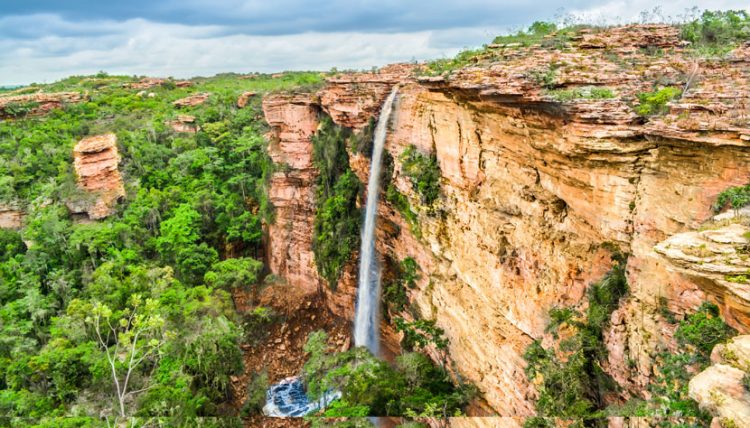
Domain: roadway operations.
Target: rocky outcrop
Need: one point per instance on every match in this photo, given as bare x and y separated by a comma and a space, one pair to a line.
244, 98
353, 99
716, 258
36, 104
184, 123
720, 390
11, 217
96, 162
537, 189
150, 82
192, 100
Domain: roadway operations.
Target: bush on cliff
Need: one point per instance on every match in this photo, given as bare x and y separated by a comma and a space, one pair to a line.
574, 386
424, 173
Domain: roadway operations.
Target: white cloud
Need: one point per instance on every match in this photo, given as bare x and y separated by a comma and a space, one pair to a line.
45, 46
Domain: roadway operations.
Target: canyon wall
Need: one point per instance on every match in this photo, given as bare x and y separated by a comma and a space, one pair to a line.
536, 193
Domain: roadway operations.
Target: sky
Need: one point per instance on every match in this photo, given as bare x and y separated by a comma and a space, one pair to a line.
46, 40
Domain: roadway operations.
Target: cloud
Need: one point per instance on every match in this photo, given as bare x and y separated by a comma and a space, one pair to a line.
43, 40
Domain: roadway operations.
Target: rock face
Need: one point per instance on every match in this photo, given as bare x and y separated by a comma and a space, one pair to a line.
36, 104
719, 389
10, 217
353, 99
96, 159
717, 259
535, 191
293, 120
192, 100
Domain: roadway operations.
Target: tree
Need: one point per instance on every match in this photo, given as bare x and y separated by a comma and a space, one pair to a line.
130, 338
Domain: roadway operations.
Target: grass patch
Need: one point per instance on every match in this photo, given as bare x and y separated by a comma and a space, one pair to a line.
588, 93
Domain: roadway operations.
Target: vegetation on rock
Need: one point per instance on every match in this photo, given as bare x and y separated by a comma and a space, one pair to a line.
571, 380
424, 173
336, 230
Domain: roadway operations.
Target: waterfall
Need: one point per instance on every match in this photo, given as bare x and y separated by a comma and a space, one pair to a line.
367, 319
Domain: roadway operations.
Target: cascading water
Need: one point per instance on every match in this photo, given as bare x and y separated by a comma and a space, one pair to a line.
287, 398
366, 321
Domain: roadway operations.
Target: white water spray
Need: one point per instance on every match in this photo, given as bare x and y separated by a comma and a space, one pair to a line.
366, 321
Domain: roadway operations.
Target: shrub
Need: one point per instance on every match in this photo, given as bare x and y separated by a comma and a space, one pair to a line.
655, 103
534, 34
399, 201
717, 32
704, 329
575, 387
734, 197
394, 292
424, 173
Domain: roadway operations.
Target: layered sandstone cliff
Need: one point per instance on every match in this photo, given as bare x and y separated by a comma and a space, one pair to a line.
537, 189
96, 162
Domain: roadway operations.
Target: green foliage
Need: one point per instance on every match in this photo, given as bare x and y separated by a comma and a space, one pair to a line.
546, 77
256, 394
234, 273
655, 103
735, 197
703, 330
369, 386
420, 334
589, 93
424, 173
399, 201
149, 277
715, 33
394, 291
533, 35
337, 218
11, 245
575, 386
461, 60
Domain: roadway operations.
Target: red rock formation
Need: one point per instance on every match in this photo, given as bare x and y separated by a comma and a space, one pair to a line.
533, 187
36, 104
192, 100
244, 98
95, 160
184, 124
145, 83
352, 99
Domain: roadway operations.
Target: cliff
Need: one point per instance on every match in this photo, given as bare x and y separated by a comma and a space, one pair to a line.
540, 180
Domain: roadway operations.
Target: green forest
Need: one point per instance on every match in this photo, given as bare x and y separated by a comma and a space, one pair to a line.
132, 315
